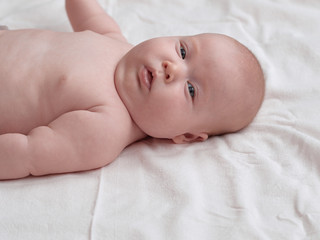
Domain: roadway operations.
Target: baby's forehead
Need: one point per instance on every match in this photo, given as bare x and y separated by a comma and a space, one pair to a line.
217, 42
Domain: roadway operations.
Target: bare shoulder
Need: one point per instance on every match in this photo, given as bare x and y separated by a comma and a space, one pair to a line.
80, 140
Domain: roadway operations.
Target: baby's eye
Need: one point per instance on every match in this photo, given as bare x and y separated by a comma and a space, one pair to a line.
191, 90
183, 52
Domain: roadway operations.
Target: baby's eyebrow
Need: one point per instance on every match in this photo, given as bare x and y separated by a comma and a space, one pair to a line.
193, 44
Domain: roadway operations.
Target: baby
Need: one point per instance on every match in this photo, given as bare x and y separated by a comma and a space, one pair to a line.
73, 101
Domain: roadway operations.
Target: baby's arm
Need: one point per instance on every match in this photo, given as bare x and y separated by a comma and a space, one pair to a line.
76, 141
89, 15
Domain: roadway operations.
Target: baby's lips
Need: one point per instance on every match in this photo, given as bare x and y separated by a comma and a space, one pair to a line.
145, 77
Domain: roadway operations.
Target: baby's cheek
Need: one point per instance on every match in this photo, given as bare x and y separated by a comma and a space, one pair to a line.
166, 107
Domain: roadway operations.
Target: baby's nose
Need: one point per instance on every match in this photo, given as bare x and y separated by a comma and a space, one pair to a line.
170, 71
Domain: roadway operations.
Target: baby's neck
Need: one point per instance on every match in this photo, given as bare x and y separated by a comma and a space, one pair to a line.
135, 134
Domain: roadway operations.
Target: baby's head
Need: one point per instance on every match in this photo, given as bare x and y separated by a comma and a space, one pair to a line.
188, 88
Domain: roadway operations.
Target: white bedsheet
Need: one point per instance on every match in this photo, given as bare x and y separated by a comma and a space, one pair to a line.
261, 183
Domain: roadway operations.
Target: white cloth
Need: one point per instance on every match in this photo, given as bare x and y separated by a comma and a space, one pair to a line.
260, 183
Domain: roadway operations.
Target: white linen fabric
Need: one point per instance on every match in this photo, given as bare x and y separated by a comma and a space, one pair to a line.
260, 183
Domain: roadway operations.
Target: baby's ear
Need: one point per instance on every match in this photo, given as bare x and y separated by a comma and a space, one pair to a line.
189, 138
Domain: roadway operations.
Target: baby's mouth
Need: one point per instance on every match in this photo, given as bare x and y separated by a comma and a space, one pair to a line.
146, 77
150, 77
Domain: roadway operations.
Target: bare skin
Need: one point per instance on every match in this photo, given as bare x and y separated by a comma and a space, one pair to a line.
60, 111
65, 105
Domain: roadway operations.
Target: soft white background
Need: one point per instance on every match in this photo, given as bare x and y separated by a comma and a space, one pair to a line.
260, 183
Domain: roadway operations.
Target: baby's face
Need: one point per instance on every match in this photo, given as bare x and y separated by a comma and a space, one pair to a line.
181, 86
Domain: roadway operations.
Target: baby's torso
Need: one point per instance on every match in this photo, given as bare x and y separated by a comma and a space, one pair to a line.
45, 74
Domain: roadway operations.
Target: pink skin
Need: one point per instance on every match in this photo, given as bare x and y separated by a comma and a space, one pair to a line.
183, 88
80, 98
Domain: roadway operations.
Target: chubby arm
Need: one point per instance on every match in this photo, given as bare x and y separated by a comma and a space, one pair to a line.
13, 157
89, 15
76, 141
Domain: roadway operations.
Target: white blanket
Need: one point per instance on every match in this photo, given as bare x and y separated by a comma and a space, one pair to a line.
260, 183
